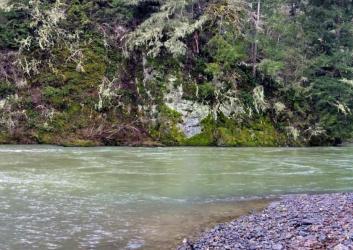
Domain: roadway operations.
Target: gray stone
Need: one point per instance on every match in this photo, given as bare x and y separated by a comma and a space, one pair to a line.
192, 112
340, 247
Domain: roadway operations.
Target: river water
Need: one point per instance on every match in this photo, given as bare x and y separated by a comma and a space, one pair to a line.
148, 198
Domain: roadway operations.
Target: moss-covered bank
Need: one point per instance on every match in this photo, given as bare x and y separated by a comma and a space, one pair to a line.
87, 73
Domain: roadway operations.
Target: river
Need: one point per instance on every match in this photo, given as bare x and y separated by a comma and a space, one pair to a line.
149, 198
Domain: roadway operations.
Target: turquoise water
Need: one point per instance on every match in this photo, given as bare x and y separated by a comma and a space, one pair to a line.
130, 198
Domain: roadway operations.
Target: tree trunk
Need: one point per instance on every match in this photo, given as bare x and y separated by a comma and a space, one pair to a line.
196, 44
257, 23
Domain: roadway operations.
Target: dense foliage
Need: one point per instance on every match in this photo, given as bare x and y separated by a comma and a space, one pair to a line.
188, 72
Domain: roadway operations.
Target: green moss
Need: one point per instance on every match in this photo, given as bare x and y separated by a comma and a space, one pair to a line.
260, 132
167, 130
189, 91
6, 89
175, 136
67, 140
4, 138
44, 137
226, 132
48, 78
213, 69
77, 14
206, 138
91, 77
56, 96
61, 122
33, 118
225, 50
207, 92
75, 117
171, 114
155, 88
79, 143
168, 134
203, 139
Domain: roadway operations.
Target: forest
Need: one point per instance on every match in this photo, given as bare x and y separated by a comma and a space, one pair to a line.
176, 72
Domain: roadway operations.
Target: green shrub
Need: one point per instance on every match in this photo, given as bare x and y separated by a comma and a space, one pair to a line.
6, 89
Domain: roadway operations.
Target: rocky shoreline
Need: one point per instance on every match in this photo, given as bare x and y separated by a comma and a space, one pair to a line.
322, 221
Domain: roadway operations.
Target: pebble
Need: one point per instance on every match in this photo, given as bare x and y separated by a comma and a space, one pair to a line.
340, 247
296, 222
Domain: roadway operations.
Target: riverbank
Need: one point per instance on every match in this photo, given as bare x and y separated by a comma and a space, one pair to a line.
296, 222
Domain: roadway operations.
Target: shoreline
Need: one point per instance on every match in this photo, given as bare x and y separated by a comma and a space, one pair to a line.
156, 145
303, 221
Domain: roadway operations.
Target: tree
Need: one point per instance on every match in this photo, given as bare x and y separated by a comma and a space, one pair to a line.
166, 29
256, 20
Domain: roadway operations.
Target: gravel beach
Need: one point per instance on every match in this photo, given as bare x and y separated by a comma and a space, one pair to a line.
295, 222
